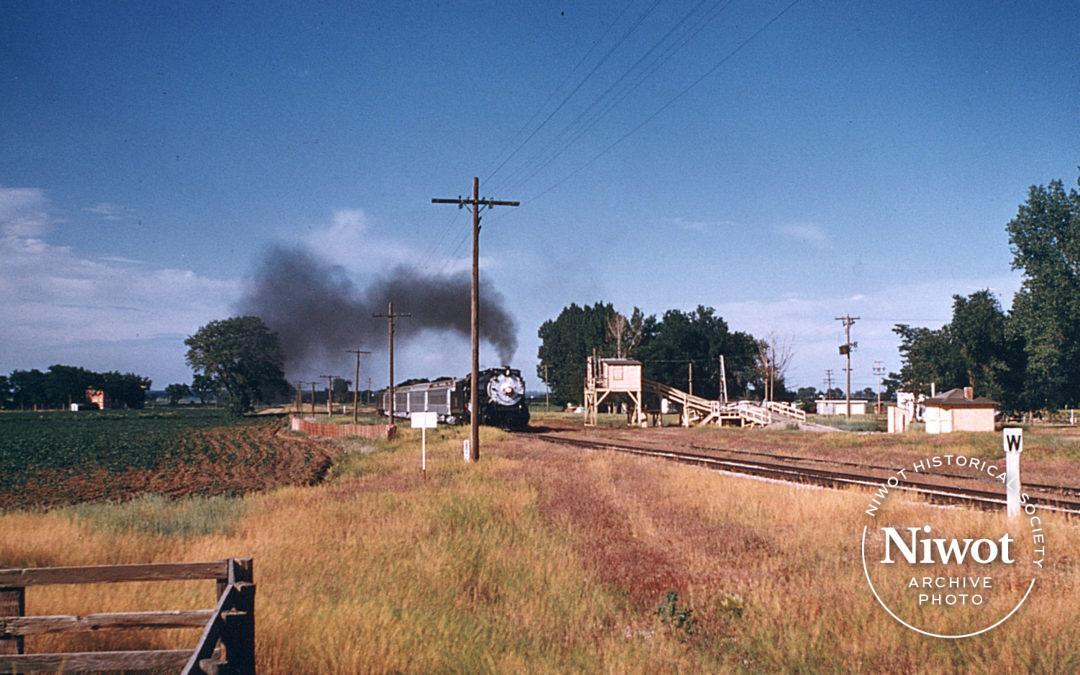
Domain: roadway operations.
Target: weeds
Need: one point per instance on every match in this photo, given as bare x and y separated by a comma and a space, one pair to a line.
679, 620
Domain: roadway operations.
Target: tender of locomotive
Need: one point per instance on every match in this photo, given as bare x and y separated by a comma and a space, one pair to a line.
502, 399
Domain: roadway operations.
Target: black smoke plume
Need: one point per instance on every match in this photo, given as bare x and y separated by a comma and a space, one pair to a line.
317, 311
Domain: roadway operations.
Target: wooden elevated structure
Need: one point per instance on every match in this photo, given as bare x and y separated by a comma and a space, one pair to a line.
605, 377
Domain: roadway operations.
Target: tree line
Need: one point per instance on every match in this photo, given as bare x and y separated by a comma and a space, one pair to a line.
666, 345
1027, 358
60, 386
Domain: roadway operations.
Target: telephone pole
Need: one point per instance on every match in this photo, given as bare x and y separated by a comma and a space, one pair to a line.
390, 316
845, 350
329, 395
299, 397
828, 381
723, 380
879, 371
356, 382
313, 385
690, 377
475, 205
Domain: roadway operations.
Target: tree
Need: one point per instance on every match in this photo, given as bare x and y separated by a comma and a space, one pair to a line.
242, 357
625, 333
668, 345
6, 399
993, 358
774, 354
342, 391
176, 391
204, 387
1045, 241
974, 349
126, 390
565, 343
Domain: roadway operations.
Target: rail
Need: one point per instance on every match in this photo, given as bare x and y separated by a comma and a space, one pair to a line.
778, 469
226, 645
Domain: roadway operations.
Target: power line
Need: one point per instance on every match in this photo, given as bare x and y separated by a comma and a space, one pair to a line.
621, 96
566, 98
566, 78
670, 101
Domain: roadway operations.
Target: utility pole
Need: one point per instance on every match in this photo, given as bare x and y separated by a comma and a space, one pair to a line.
329, 394
313, 398
475, 205
690, 377
370, 393
845, 350
828, 381
356, 382
547, 392
390, 316
879, 371
723, 380
299, 397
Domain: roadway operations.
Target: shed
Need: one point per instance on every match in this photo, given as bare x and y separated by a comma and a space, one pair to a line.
825, 406
620, 374
959, 410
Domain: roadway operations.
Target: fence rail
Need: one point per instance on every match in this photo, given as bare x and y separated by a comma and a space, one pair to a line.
226, 645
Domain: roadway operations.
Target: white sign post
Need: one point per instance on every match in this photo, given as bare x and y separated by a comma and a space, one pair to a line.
465, 448
423, 421
1012, 439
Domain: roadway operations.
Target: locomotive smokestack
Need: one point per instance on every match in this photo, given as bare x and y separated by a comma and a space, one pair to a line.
317, 310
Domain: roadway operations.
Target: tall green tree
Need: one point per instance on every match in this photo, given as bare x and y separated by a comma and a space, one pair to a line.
242, 357
565, 343
204, 387
1045, 241
177, 391
974, 349
668, 345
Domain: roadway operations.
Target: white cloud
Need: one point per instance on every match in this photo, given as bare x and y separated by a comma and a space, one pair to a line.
109, 211
704, 225
811, 322
23, 212
352, 241
806, 233
57, 300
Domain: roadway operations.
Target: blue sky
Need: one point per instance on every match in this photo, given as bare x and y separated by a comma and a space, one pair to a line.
853, 157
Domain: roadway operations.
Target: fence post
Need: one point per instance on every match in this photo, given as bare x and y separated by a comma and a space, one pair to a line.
239, 636
12, 603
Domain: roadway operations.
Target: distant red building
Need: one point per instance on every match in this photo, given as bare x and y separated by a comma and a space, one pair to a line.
96, 396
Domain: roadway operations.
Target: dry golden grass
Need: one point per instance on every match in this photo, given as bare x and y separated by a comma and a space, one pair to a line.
539, 559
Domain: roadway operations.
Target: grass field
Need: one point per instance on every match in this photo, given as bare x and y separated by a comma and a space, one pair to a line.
53, 458
538, 559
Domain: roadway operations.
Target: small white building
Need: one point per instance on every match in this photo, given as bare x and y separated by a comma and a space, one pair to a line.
826, 406
959, 410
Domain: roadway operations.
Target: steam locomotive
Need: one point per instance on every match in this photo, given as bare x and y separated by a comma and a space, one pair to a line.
502, 399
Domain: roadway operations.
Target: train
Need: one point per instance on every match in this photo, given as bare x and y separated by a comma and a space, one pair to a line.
502, 399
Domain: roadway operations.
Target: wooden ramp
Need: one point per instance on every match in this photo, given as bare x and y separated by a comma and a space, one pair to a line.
702, 411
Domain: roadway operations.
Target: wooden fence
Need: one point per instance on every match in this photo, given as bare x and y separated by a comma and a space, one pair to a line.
226, 645
331, 430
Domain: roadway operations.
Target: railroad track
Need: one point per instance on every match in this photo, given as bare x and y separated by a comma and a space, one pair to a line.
1044, 487
779, 470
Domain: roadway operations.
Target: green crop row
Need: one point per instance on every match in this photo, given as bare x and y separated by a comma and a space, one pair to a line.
78, 443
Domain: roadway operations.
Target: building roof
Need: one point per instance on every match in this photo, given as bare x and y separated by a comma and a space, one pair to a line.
621, 362
955, 398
